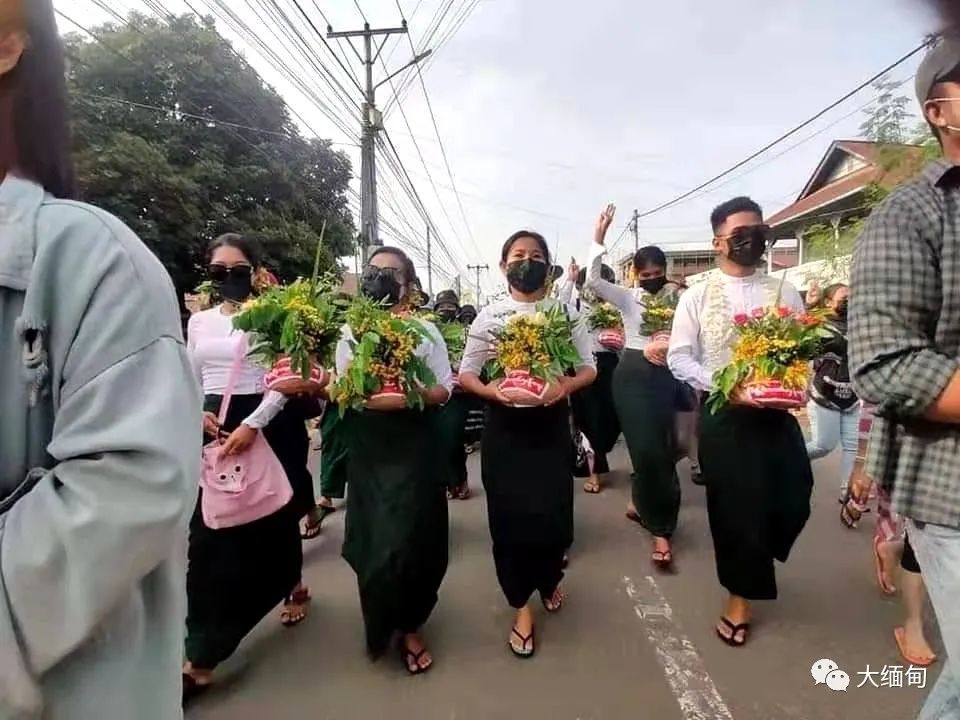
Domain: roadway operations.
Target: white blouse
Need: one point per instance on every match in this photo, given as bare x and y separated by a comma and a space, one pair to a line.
566, 297
212, 345
433, 351
479, 348
630, 302
709, 309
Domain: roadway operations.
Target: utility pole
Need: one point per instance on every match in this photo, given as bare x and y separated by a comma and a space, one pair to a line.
635, 227
478, 268
456, 286
371, 124
429, 265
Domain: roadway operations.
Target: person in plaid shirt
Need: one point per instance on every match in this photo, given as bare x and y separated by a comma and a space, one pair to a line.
904, 347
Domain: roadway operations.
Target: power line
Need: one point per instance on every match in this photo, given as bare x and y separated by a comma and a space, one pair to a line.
205, 118
443, 150
789, 133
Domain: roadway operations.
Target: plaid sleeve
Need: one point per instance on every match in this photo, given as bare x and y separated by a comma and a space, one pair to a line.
894, 306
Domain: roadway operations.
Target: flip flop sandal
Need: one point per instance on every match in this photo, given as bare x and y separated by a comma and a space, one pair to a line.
633, 516
734, 630
885, 587
592, 487
464, 493
311, 531
899, 634
522, 652
290, 618
554, 603
663, 559
325, 510
411, 660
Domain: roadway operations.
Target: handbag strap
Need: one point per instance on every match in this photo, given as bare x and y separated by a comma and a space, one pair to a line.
238, 356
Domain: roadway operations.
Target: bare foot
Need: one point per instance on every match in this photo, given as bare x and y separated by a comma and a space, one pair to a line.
592, 486
888, 557
415, 654
200, 677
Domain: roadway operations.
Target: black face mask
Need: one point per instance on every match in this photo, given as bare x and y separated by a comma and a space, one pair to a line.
380, 284
842, 308
467, 319
654, 285
447, 314
527, 276
232, 284
747, 245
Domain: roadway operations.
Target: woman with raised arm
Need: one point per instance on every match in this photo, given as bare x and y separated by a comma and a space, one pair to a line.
396, 526
526, 454
644, 391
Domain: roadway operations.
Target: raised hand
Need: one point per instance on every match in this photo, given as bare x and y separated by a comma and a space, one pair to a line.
603, 223
573, 270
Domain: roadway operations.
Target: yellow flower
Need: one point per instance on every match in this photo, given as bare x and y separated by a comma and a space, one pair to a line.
797, 375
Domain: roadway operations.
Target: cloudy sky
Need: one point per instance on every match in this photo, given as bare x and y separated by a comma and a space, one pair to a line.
548, 109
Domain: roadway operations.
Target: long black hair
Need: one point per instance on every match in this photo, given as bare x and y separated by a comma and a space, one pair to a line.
409, 271
540, 240
247, 244
34, 96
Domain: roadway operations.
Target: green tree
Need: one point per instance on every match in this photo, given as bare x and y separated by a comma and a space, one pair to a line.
179, 180
888, 122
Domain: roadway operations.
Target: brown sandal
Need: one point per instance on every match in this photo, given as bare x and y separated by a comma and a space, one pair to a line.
290, 617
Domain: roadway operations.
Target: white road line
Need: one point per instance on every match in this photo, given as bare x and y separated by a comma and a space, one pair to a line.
682, 665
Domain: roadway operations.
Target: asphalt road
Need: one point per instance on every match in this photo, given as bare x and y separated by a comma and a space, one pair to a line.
630, 643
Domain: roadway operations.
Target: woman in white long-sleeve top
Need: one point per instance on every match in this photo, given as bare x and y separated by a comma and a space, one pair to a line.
644, 392
237, 575
396, 526
99, 444
754, 459
526, 456
594, 412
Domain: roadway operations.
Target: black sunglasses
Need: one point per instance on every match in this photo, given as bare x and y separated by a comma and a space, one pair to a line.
220, 273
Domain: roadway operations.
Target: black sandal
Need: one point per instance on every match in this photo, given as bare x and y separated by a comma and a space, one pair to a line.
734, 630
312, 530
411, 660
325, 510
522, 652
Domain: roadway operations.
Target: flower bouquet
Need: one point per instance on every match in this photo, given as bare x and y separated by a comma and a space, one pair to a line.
294, 331
384, 362
658, 316
771, 358
532, 351
607, 321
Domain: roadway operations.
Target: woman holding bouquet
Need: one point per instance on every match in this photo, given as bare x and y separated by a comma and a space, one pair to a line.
644, 391
236, 575
396, 526
526, 454
754, 458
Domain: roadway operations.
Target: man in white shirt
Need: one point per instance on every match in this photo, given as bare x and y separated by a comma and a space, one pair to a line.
753, 459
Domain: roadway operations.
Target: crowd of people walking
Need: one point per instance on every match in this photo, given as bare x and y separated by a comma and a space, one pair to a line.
107, 409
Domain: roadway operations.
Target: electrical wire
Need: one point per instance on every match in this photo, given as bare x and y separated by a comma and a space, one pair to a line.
806, 123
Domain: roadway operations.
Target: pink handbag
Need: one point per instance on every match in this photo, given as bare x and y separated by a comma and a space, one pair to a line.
238, 489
